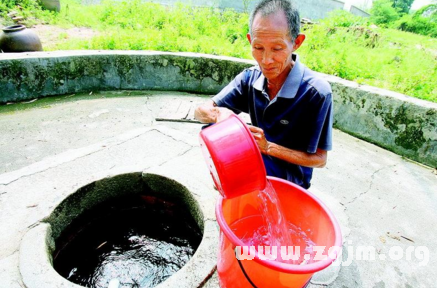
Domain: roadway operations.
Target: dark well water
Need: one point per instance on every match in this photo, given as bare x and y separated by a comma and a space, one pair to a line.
139, 240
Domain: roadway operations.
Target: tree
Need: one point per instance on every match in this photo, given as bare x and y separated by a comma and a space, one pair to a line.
403, 6
383, 12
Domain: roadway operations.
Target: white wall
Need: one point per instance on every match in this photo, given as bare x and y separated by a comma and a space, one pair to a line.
363, 4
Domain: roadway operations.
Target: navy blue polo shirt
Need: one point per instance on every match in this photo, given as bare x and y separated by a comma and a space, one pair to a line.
299, 117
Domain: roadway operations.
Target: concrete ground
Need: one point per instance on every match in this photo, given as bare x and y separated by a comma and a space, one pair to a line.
384, 203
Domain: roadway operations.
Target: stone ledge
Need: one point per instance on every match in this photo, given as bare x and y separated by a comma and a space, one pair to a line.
402, 124
41, 74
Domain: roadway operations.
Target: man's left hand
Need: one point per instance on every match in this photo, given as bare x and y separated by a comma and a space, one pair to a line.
260, 138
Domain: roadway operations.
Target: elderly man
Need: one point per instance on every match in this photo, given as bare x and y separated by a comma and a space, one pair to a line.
289, 105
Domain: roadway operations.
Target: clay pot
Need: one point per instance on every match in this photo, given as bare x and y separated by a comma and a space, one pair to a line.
19, 39
52, 5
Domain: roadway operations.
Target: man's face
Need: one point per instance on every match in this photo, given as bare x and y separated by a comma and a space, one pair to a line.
271, 45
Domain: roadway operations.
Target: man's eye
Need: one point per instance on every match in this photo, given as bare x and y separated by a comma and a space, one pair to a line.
277, 49
257, 48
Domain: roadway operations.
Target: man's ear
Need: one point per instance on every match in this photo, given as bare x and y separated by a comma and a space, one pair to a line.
248, 37
299, 40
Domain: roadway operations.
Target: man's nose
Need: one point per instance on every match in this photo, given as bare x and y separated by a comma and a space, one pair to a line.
267, 58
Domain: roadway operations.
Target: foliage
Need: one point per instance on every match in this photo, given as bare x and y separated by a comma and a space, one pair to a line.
418, 23
138, 25
429, 11
385, 58
22, 3
28, 9
383, 12
403, 5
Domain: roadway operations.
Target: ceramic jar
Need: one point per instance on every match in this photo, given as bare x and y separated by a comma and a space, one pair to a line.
18, 38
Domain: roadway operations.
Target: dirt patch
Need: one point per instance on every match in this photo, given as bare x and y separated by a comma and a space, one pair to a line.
51, 36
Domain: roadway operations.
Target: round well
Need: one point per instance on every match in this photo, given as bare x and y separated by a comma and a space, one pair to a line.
144, 230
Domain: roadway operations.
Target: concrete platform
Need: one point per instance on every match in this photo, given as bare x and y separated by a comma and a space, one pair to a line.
53, 145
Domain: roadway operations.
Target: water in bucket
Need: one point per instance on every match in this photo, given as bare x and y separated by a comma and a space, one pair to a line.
277, 231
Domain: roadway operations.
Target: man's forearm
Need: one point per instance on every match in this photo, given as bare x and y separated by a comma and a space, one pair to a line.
314, 160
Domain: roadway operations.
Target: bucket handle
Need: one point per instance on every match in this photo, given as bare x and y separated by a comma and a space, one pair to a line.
247, 276
242, 269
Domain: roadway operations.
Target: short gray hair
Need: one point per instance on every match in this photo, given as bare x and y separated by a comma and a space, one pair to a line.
268, 7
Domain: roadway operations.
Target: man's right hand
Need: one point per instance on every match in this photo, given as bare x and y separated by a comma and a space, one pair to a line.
211, 113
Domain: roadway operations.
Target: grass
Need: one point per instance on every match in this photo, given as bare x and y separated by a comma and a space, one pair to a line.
342, 45
137, 25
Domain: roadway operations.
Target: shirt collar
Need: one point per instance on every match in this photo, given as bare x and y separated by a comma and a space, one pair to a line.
291, 85
259, 83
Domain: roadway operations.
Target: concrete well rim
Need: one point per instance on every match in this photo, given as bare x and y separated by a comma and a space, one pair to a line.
38, 244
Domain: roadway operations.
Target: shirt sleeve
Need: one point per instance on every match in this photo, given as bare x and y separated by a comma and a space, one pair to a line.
322, 131
235, 95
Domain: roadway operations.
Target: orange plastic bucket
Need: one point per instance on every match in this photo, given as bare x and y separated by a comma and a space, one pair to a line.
302, 209
233, 157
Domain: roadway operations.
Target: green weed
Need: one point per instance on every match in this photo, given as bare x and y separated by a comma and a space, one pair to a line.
385, 58
342, 45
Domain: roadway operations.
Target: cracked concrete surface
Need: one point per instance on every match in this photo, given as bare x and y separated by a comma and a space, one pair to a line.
370, 186
53, 146
374, 192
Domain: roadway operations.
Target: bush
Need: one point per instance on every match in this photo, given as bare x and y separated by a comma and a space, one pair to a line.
429, 11
418, 23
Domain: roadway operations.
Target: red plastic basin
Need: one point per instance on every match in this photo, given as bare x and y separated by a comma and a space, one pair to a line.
233, 158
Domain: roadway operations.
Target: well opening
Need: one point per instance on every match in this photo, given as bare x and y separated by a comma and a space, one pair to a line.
135, 229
